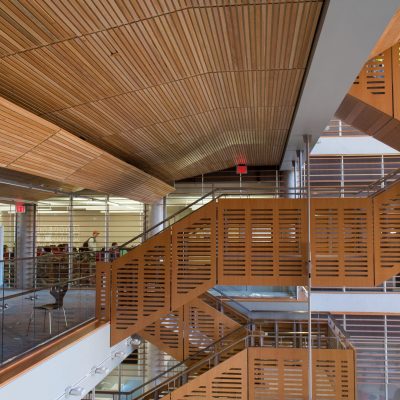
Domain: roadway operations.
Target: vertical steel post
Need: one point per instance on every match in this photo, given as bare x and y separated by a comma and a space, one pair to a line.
71, 237
307, 139
107, 228
341, 176
386, 358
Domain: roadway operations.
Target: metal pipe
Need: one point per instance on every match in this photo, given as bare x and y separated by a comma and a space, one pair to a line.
309, 266
386, 359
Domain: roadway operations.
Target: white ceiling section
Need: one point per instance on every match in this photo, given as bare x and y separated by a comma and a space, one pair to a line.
349, 32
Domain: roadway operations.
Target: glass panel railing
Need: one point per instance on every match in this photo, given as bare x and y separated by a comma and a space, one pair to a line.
46, 297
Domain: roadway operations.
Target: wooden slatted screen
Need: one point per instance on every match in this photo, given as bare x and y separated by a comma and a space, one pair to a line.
227, 380
387, 234
103, 291
342, 242
283, 374
189, 329
167, 334
333, 374
261, 242
204, 325
141, 286
374, 83
194, 255
275, 374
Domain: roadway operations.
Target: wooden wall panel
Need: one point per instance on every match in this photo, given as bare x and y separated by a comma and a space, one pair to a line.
103, 292
342, 242
194, 254
226, 381
141, 286
283, 374
261, 242
35, 146
387, 233
178, 88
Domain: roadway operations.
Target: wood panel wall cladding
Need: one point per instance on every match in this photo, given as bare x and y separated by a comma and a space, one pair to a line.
177, 88
265, 373
260, 242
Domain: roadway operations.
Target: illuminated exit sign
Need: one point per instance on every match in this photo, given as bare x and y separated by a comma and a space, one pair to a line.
20, 207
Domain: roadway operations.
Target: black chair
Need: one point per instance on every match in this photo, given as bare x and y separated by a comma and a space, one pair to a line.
58, 292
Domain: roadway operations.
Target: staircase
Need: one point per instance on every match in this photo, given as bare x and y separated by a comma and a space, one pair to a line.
250, 242
260, 360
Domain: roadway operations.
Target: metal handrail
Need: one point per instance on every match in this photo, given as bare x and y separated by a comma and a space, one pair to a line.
48, 255
161, 223
380, 182
193, 357
272, 191
231, 299
38, 289
248, 340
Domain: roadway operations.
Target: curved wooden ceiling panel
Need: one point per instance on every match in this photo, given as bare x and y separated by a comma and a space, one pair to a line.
165, 85
35, 146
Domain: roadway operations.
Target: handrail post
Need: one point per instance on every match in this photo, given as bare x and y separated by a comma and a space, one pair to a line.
307, 139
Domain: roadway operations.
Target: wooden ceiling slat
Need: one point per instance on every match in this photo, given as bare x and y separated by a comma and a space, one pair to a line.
33, 145
150, 80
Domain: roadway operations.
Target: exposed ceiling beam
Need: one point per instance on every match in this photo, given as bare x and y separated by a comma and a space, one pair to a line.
349, 31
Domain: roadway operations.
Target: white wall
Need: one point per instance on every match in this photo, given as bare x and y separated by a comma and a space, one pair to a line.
68, 367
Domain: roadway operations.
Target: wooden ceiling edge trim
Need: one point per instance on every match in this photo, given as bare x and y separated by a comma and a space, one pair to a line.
389, 37
122, 168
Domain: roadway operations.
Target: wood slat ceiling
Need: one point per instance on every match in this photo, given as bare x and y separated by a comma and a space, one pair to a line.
38, 147
177, 88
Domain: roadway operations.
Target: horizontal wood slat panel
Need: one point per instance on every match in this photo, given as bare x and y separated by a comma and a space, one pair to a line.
194, 254
334, 374
342, 242
387, 234
36, 146
354, 242
141, 286
262, 242
372, 104
226, 381
189, 329
283, 374
373, 85
178, 88
276, 374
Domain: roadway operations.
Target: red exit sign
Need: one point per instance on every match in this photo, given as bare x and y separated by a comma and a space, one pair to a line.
20, 207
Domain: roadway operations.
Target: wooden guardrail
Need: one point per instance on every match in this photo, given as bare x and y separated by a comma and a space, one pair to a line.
259, 373
252, 242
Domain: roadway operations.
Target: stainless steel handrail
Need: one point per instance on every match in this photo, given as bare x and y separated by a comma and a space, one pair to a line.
183, 363
249, 340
